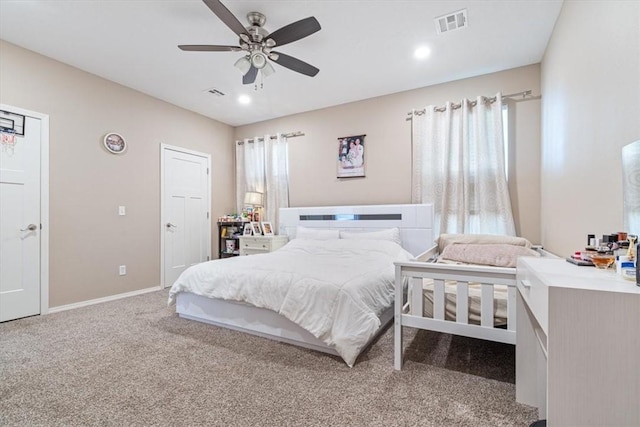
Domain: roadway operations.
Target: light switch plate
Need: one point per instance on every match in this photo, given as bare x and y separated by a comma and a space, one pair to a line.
122, 211
123, 270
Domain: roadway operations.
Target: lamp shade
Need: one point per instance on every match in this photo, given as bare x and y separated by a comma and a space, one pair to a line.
243, 64
253, 198
268, 69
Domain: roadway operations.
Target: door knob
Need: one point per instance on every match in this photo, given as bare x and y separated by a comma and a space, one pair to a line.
169, 225
30, 227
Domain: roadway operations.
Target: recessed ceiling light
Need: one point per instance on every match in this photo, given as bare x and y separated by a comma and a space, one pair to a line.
244, 99
422, 52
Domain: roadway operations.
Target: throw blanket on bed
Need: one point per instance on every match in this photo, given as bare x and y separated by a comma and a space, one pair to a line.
335, 289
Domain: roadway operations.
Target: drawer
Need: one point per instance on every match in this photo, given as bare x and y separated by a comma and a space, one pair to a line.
247, 251
252, 243
535, 294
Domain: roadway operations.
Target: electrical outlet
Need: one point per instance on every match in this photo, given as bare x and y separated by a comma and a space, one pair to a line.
123, 270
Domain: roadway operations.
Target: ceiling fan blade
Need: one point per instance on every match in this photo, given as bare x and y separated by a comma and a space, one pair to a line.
226, 16
208, 48
250, 77
295, 31
295, 64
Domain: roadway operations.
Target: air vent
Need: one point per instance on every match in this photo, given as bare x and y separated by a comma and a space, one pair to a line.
452, 21
214, 91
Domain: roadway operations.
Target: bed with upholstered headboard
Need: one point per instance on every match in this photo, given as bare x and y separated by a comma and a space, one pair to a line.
330, 289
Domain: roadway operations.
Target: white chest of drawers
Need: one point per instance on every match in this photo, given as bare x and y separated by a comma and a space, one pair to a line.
252, 245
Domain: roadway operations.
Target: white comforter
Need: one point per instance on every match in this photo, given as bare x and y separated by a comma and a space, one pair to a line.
335, 289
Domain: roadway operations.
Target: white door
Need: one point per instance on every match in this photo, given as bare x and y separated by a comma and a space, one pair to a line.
185, 211
20, 224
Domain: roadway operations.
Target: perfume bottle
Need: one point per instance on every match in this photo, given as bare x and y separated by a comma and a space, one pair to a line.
632, 248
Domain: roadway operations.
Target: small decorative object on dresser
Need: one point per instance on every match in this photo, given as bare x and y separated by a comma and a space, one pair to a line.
247, 231
255, 227
267, 229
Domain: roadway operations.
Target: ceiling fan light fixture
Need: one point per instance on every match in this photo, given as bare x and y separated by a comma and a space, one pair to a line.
258, 60
257, 42
268, 70
243, 64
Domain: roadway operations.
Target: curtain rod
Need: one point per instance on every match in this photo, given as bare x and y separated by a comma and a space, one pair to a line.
523, 94
286, 135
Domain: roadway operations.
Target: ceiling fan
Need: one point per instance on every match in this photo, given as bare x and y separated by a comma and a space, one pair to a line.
258, 43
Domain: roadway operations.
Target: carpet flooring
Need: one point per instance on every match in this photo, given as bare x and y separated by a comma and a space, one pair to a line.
133, 362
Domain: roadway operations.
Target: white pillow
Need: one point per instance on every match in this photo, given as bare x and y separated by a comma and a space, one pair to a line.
316, 233
391, 234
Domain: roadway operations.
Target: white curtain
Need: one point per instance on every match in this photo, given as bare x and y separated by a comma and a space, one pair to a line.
261, 166
241, 182
277, 177
458, 165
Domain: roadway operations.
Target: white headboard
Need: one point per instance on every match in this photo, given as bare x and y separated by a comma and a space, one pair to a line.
414, 221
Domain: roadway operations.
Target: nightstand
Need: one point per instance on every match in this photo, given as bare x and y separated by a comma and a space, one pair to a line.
252, 245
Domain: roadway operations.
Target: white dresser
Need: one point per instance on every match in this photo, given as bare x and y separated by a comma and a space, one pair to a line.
577, 344
252, 245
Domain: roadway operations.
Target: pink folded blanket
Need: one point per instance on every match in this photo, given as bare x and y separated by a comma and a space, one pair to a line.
445, 240
498, 255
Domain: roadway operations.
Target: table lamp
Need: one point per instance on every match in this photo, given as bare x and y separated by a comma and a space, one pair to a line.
254, 199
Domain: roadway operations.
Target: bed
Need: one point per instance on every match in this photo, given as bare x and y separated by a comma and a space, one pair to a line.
459, 297
338, 293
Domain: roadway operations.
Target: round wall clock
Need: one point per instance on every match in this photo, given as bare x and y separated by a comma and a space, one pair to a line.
115, 143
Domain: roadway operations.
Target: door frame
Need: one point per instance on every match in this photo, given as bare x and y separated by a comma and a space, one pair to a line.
44, 200
163, 219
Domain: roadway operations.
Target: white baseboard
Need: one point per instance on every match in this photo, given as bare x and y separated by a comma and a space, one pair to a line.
103, 299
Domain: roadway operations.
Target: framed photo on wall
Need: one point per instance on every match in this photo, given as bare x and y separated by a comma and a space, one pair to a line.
351, 156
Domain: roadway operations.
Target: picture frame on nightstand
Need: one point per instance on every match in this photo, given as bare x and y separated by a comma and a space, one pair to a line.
255, 227
267, 229
247, 230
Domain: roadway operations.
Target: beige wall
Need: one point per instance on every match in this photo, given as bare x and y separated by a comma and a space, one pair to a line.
87, 184
591, 108
312, 158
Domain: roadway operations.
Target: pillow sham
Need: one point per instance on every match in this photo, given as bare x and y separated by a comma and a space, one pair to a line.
391, 234
316, 233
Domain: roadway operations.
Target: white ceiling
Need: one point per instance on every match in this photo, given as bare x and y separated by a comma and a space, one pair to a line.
365, 48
